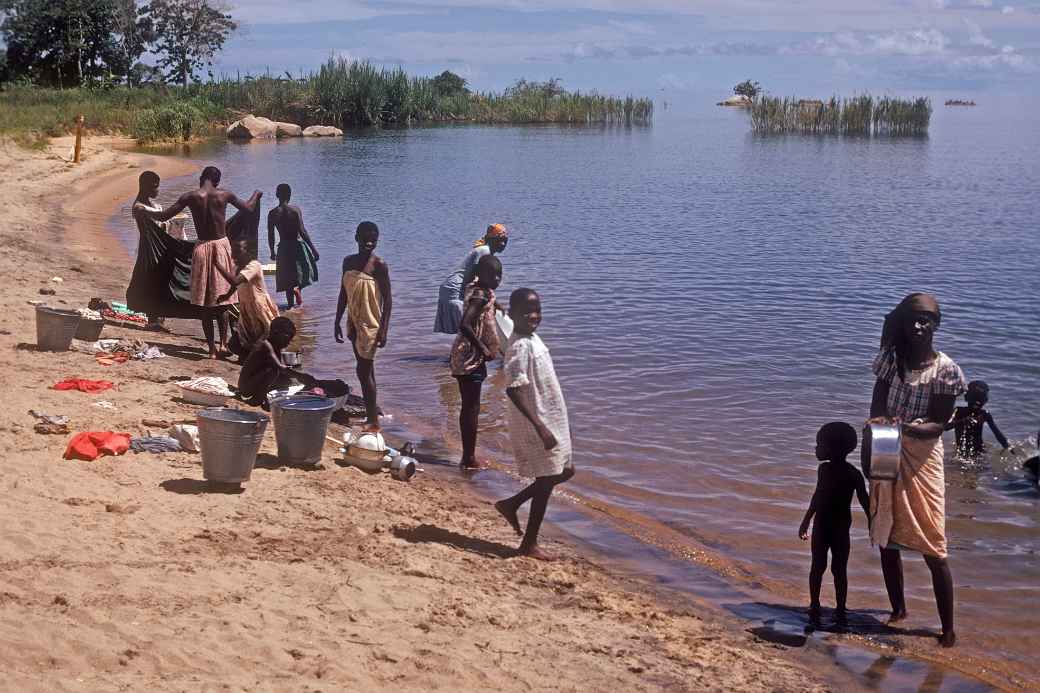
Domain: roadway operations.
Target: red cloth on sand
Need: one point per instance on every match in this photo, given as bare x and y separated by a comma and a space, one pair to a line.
91, 386
93, 444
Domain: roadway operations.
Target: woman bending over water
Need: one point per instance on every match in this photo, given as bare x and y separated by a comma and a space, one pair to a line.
453, 288
916, 387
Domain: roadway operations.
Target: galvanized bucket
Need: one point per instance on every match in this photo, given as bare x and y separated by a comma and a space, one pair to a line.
55, 328
300, 424
229, 440
879, 453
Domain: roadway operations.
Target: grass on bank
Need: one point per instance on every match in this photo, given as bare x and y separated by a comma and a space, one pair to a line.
341, 93
860, 115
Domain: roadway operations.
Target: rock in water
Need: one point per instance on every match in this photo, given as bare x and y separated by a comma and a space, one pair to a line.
252, 128
322, 131
288, 130
736, 101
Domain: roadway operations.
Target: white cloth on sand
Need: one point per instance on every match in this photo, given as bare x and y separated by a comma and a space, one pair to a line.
529, 367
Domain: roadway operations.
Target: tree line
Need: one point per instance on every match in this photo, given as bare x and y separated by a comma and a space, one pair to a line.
76, 43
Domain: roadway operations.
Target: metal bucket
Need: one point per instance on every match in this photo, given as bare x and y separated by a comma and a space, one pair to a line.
300, 424
89, 330
55, 328
229, 440
879, 453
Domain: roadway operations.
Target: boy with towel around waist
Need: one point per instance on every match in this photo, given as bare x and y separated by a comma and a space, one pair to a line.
836, 481
364, 295
211, 259
538, 424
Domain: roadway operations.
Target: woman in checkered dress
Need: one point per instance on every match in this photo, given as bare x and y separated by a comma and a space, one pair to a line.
918, 387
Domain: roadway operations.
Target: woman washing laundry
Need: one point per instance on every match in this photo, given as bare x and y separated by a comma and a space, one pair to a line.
452, 300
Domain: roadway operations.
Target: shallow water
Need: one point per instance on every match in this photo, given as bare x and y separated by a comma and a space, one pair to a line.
710, 299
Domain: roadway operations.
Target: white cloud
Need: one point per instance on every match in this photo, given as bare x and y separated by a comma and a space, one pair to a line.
909, 42
301, 11
975, 35
1007, 9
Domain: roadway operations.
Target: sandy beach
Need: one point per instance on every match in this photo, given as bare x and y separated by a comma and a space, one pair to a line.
127, 574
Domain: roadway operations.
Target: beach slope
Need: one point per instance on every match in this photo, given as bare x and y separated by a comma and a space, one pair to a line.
127, 573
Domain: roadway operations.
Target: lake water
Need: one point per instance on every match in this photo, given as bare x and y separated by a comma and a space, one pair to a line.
711, 298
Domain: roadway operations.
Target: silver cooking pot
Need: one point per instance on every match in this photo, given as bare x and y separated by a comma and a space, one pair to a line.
879, 453
402, 468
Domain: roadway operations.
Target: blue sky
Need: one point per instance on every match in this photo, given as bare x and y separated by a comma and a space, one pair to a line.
650, 46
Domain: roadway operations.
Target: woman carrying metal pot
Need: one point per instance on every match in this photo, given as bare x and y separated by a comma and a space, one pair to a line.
450, 301
916, 388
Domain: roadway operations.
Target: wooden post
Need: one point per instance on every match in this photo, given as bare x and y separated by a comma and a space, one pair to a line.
79, 137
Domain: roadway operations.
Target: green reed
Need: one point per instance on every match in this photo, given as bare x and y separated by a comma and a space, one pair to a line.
341, 92
860, 115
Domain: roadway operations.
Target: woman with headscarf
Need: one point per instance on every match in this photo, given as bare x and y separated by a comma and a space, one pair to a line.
917, 388
453, 288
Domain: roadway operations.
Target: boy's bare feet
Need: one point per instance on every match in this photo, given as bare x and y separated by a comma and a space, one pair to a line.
299, 296
814, 615
948, 639
896, 616
473, 465
534, 552
508, 512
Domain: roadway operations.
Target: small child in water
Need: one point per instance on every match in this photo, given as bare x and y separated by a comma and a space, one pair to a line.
264, 370
364, 295
967, 422
538, 424
836, 481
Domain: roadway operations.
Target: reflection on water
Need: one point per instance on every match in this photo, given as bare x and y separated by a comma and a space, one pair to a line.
710, 299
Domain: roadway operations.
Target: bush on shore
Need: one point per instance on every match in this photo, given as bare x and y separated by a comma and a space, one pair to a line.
341, 93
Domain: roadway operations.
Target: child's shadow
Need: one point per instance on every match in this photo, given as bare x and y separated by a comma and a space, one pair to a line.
431, 534
783, 620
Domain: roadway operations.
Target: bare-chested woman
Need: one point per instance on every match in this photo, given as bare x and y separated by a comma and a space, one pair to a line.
296, 254
208, 207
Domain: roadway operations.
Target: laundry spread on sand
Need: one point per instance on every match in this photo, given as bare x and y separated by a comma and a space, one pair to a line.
155, 444
50, 424
211, 385
187, 436
90, 445
117, 312
83, 385
105, 358
148, 354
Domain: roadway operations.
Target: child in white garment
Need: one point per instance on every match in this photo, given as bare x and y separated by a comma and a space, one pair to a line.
538, 423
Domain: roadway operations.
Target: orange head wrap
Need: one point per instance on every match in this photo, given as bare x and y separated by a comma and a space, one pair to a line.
493, 231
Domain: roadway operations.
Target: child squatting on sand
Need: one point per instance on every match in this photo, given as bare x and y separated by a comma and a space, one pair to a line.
264, 369
836, 481
538, 424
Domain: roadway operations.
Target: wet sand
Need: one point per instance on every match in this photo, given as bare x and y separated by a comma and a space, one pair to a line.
129, 573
